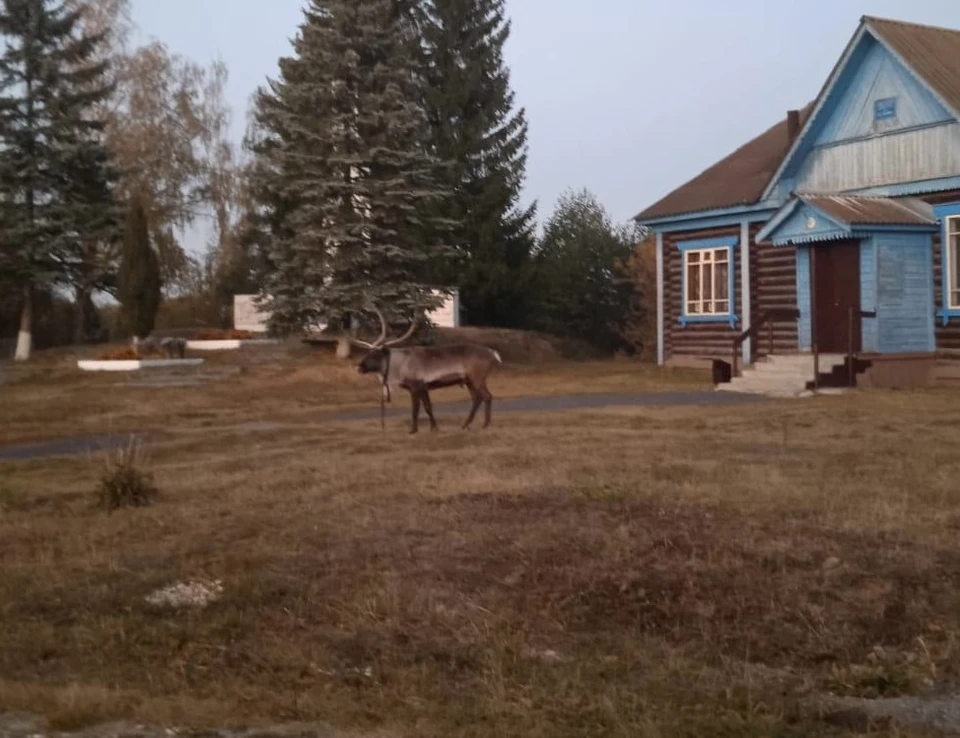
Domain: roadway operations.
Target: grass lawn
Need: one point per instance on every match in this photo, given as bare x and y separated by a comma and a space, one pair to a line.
637, 571
51, 398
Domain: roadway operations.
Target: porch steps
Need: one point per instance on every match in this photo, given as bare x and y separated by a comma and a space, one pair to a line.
782, 375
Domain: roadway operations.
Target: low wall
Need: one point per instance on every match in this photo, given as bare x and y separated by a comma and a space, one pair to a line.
898, 370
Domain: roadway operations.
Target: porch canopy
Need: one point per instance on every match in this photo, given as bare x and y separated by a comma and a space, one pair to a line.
864, 271
809, 218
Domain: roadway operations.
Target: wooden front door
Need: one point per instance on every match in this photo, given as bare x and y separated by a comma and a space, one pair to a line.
836, 279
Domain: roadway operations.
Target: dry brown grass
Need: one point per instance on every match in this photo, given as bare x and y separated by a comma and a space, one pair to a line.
648, 572
52, 398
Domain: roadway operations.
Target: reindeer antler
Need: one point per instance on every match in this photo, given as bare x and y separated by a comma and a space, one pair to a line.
381, 339
405, 336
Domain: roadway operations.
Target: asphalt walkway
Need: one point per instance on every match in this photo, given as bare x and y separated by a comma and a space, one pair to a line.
94, 444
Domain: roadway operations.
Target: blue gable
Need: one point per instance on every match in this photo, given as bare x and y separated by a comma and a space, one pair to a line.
877, 96
800, 222
875, 125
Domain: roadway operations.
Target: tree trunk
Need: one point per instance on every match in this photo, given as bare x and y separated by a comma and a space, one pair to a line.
25, 336
81, 295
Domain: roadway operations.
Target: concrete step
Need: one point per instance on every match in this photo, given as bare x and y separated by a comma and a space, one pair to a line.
798, 362
766, 392
775, 370
770, 381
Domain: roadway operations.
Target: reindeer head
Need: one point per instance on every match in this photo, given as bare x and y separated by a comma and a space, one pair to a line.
374, 362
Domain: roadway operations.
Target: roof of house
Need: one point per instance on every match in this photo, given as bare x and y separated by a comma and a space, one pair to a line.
858, 210
741, 177
932, 52
738, 179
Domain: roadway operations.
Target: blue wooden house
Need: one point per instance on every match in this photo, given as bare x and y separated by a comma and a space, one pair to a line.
835, 233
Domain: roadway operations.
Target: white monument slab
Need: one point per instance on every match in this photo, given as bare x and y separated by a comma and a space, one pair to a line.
247, 316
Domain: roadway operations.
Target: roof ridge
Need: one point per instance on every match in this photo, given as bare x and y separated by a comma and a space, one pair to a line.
914, 24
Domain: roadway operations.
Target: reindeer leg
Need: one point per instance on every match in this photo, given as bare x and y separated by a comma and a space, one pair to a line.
487, 402
428, 406
415, 401
475, 396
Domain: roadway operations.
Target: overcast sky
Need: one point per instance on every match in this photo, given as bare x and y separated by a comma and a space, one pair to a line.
628, 98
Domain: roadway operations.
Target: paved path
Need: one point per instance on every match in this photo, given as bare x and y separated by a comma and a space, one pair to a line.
94, 444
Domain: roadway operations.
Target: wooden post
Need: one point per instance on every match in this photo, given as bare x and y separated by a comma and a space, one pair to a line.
850, 348
733, 364
813, 296
816, 368
813, 318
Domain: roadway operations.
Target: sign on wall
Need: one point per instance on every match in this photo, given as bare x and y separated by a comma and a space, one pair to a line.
248, 317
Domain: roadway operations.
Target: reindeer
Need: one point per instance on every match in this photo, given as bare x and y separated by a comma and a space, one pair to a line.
419, 369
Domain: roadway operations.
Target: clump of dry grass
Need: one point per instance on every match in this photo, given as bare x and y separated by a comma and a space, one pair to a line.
119, 353
123, 481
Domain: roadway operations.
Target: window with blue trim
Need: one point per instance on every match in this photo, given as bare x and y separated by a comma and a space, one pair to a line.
707, 281
949, 216
952, 263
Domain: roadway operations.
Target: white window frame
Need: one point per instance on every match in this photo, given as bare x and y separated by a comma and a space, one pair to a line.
951, 255
707, 257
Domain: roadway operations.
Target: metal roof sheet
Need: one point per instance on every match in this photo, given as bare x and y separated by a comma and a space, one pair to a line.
738, 179
932, 52
859, 210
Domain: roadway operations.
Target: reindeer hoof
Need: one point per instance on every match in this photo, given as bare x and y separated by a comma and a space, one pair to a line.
412, 431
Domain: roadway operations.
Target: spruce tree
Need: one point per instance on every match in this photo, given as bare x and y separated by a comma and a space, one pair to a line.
347, 189
50, 83
470, 106
139, 280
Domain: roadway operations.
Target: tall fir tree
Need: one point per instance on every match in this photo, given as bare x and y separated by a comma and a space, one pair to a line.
346, 187
50, 82
470, 106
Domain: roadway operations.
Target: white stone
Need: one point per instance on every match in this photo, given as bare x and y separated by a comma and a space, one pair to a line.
132, 365
187, 594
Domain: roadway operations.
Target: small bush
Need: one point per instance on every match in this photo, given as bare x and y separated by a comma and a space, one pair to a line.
123, 483
126, 353
224, 335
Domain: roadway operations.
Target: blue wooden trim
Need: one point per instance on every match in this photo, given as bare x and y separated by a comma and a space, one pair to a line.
718, 222
824, 95
730, 318
946, 209
866, 230
946, 315
943, 212
785, 212
942, 184
832, 235
712, 218
708, 243
882, 134
719, 242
